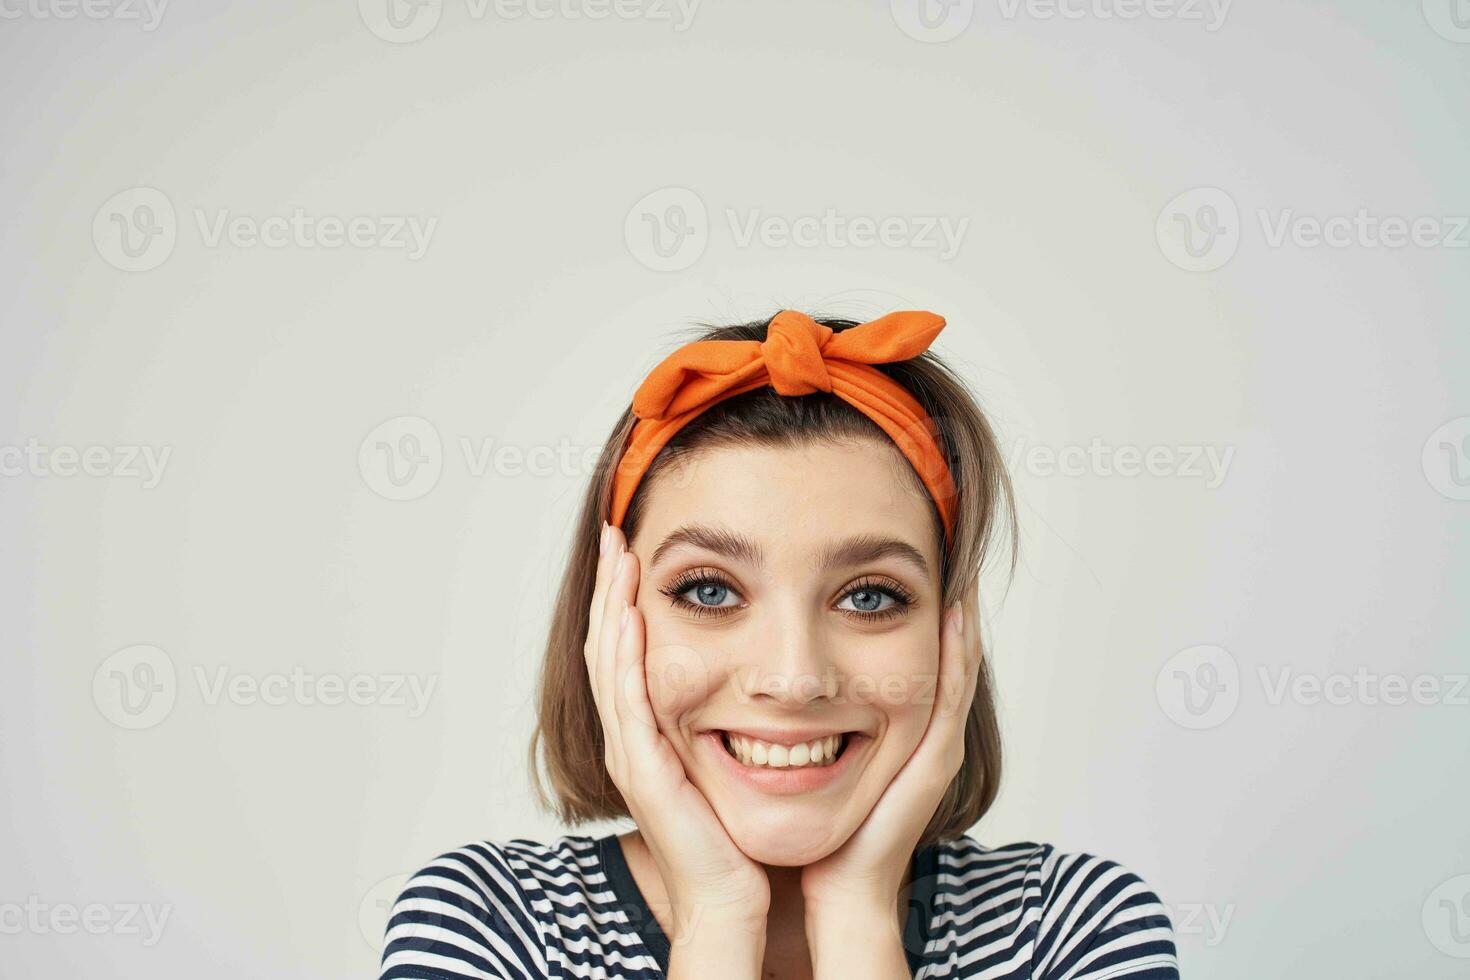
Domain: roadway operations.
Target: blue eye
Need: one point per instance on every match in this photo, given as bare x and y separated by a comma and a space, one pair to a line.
710, 593
702, 594
868, 600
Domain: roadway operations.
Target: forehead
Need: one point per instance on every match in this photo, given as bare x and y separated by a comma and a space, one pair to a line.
793, 499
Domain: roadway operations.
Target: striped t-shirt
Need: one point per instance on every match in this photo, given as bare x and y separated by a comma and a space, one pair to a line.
571, 908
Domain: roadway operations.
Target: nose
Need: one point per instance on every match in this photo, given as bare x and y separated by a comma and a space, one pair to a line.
793, 658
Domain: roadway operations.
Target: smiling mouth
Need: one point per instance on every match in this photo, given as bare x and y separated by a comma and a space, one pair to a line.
815, 754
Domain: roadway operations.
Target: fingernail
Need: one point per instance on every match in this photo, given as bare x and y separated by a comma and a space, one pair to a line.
622, 564
959, 618
623, 616
602, 539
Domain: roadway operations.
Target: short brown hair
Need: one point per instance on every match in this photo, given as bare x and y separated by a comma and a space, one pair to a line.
568, 729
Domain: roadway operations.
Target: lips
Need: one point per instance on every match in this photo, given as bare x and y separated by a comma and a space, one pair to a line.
785, 781
817, 751
784, 736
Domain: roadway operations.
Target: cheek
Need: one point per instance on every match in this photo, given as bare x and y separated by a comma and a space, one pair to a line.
679, 678
905, 692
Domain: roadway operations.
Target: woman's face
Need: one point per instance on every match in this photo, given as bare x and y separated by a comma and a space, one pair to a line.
790, 593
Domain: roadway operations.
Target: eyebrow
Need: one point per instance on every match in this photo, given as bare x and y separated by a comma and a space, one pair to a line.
855, 550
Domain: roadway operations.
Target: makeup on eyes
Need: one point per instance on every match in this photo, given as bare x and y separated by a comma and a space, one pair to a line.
901, 600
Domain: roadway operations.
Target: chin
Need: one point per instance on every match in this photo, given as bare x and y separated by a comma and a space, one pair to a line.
784, 843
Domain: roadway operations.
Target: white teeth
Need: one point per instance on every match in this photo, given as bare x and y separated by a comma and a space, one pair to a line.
755, 753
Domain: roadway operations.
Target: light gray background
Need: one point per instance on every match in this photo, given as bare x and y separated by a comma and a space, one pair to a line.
1138, 651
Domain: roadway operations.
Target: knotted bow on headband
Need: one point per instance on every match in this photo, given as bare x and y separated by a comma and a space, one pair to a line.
798, 357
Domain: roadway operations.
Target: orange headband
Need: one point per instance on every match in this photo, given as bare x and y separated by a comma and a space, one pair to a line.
798, 357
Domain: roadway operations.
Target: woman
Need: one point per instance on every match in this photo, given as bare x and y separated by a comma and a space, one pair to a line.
767, 653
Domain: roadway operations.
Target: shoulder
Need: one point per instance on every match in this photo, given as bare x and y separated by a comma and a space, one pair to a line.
482, 910
1055, 914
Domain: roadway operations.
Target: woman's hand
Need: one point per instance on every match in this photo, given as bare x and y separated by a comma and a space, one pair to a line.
856, 887
709, 880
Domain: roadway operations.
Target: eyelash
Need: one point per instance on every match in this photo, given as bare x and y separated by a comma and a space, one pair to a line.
903, 599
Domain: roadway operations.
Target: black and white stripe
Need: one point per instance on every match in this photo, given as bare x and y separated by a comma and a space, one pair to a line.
527, 910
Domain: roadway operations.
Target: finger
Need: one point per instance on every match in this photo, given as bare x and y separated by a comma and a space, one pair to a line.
608, 608
952, 662
607, 559
974, 644
620, 591
614, 751
945, 738
616, 594
597, 632
957, 682
634, 710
